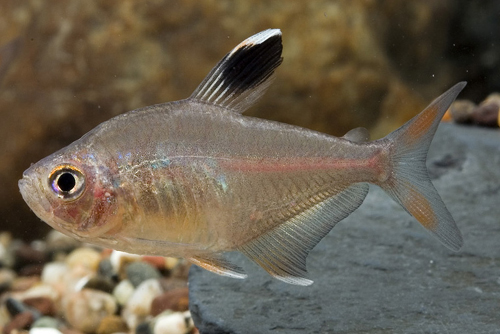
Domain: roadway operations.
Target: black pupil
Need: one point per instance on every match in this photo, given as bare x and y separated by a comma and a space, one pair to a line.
66, 182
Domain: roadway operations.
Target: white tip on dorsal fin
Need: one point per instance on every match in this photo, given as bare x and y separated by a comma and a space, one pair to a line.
243, 75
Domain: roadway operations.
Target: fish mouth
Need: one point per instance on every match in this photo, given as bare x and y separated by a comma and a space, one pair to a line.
33, 196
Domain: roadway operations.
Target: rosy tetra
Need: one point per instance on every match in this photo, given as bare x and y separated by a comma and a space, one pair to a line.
195, 178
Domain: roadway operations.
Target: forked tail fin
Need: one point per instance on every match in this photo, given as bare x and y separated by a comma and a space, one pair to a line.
409, 183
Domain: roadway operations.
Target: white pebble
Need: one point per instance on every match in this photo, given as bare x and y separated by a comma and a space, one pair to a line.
173, 323
54, 272
44, 330
138, 306
123, 291
119, 259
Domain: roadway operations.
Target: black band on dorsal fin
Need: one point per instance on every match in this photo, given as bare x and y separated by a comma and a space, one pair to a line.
242, 76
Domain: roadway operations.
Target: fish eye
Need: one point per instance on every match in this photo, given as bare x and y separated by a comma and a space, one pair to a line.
67, 182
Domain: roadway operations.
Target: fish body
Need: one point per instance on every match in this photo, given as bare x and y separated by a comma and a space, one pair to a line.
195, 178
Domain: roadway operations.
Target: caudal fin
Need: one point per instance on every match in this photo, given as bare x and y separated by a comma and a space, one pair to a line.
409, 183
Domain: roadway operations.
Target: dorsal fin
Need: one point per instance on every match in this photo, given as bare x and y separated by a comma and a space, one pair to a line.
243, 75
357, 135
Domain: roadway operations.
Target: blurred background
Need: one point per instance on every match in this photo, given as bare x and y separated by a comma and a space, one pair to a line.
373, 63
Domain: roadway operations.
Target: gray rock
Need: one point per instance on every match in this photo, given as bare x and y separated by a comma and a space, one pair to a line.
138, 272
378, 271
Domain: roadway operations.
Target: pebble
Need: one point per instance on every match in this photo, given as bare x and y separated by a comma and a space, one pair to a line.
86, 257
120, 260
138, 272
173, 323
85, 309
159, 262
100, 283
105, 269
486, 114
138, 306
20, 321
123, 291
47, 322
4, 316
43, 304
42, 330
461, 111
26, 255
171, 262
112, 324
53, 273
24, 283
3, 253
7, 277
41, 290
143, 328
174, 300
16, 307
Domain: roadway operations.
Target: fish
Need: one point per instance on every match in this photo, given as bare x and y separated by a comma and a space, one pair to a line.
197, 179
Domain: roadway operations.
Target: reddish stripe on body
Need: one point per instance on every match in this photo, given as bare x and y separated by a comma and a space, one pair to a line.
296, 164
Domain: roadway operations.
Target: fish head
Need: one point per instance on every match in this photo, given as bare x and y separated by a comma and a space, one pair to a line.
72, 192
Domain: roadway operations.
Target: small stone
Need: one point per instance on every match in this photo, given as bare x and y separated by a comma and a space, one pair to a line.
100, 283
461, 111
171, 262
15, 306
24, 283
120, 261
3, 254
172, 323
138, 306
172, 283
144, 328
53, 272
105, 269
139, 272
7, 277
86, 257
34, 269
112, 324
42, 330
486, 114
46, 322
41, 290
26, 255
85, 309
159, 262
123, 291
44, 305
174, 300
20, 321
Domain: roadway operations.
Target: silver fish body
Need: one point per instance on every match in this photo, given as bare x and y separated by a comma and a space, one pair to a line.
195, 178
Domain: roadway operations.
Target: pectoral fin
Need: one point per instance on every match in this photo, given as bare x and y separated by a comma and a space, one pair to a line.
216, 263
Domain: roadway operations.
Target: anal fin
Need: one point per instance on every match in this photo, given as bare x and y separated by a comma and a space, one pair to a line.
282, 251
216, 263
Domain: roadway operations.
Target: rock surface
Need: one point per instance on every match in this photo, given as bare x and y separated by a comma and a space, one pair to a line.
378, 271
